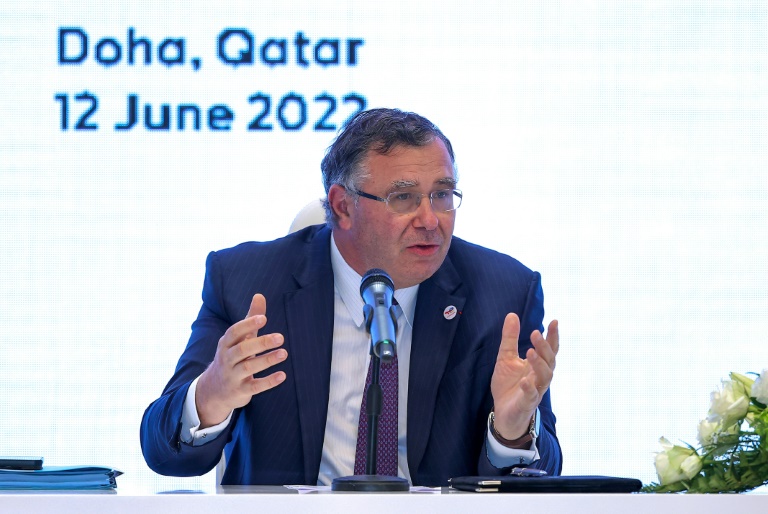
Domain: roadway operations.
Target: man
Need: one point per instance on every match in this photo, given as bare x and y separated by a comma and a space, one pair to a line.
275, 368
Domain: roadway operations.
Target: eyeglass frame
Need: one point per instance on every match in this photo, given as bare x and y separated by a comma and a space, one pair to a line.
453, 190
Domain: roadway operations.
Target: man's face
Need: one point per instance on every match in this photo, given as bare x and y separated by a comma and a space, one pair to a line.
409, 247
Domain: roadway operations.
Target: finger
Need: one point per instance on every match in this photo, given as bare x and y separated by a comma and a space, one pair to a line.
541, 371
253, 322
259, 385
258, 307
241, 330
252, 347
531, 388
253, 365
543, 349
553, 335
510, 333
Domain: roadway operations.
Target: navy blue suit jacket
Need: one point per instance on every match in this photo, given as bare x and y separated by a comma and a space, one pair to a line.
277, 438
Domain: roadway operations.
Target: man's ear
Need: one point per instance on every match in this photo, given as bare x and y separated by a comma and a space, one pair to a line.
340, 203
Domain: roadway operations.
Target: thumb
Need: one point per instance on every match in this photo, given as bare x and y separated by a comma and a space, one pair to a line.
258, 306
510, 333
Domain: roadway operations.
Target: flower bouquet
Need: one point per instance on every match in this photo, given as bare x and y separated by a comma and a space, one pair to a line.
733, 456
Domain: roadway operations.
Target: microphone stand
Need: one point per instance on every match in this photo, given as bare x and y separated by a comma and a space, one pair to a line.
371, 482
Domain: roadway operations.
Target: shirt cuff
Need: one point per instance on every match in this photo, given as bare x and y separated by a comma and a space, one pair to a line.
190, 421
502, 457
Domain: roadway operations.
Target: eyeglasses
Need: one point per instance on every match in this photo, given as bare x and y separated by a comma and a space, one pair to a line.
405, 202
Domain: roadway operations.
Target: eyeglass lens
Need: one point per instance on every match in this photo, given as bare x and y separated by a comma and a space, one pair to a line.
442, 200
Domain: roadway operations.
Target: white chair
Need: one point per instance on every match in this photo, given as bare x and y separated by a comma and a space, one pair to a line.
311, 214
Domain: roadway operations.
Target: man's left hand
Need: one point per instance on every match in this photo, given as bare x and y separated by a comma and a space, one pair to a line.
518, 384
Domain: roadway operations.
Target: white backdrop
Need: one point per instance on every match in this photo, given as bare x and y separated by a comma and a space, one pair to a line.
619, 148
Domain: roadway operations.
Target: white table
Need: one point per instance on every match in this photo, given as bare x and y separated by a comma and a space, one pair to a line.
247, 499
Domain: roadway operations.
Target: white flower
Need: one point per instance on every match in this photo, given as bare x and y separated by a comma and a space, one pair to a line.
676, 463
731, 433
691, 466
760, 388
665, 471
729, 405
707, 431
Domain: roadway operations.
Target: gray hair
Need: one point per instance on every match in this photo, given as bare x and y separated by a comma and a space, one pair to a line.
379, 130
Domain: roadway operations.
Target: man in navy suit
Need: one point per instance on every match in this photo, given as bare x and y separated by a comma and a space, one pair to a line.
279, 388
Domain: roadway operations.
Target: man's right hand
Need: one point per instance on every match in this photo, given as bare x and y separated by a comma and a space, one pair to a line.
228, 382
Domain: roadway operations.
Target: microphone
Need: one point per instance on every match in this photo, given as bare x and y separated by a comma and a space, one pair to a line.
377, 290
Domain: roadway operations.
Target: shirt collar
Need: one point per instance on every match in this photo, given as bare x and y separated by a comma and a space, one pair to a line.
346, 282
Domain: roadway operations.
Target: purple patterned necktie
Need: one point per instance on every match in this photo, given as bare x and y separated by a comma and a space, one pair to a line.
386, 451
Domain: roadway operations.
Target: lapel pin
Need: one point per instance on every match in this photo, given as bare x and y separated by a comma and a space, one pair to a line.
449, 312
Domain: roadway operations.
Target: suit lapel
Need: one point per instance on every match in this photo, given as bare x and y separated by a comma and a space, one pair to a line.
433, 337
309, 314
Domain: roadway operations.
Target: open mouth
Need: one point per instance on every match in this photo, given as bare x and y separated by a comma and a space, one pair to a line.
424, 249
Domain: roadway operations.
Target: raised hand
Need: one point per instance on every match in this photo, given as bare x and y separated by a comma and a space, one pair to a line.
518, 384
228, 382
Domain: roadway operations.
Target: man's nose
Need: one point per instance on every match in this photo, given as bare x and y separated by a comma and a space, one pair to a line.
425, 216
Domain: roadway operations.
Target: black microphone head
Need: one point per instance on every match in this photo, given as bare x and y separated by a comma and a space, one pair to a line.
376, 275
